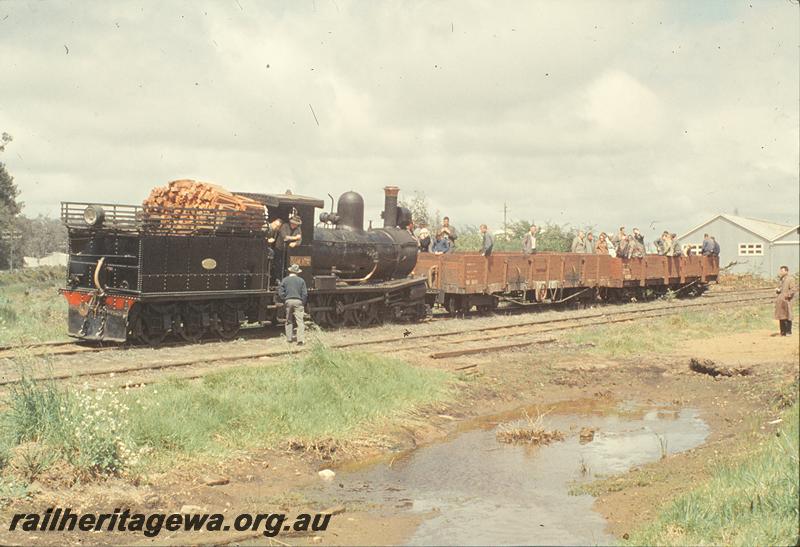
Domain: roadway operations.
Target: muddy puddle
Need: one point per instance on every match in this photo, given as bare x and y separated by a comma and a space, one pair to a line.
472, 489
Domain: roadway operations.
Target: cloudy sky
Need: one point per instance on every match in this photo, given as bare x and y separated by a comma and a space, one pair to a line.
603, 112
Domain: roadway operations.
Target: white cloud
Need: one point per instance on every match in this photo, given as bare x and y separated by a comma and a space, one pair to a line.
605, 112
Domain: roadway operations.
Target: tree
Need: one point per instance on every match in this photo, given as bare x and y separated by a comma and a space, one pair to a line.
41, 236
9, 207
4, 140
8, 191
551, 237
418, 205
555, 237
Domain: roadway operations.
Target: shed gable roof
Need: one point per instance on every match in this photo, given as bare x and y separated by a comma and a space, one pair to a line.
762, 228
793, 230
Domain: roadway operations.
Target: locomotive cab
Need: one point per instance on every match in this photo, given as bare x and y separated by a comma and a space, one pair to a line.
285, 206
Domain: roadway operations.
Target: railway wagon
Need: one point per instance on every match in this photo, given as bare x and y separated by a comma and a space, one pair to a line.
459, 281
149, 273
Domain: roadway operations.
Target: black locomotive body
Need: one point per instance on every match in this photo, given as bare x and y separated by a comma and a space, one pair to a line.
137, 273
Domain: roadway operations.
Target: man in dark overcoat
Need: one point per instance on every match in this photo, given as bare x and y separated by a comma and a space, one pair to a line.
783, 301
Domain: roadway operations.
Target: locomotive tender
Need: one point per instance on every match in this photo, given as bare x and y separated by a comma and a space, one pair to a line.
147, 273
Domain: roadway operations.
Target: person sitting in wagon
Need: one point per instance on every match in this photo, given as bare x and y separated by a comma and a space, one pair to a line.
442, 244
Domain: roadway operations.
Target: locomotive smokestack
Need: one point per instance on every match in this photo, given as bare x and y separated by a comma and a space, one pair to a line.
390, 206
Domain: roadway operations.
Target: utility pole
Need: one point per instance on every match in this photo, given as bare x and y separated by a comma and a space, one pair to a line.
505, 219
10, 236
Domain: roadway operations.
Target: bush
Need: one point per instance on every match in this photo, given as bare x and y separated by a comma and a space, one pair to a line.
88, 429
35, 410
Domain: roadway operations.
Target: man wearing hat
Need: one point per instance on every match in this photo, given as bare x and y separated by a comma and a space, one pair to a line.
289, 234
293, 293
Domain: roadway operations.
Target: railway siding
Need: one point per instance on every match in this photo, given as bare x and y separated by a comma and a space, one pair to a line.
125, 366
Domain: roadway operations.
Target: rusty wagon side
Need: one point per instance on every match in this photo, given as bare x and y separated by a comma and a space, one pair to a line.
460, 281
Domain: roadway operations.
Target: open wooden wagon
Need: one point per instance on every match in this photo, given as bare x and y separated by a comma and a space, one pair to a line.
460, 281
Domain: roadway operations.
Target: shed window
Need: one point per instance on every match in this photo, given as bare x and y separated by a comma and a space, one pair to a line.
694, 249
751, 249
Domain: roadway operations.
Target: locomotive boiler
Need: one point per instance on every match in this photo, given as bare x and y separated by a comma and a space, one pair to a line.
344, 248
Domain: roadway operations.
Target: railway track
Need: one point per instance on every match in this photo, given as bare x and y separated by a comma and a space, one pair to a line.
71, 347
526, 333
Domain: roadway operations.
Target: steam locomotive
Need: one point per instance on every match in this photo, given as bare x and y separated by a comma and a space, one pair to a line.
137, 273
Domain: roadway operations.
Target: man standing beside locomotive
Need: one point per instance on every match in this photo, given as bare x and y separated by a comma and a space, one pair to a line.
293, 293
783, 301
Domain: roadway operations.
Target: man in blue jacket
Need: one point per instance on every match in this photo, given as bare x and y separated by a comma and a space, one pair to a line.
293, 293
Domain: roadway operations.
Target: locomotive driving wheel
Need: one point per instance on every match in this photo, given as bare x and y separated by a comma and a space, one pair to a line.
365, 316
337, 317
320, 317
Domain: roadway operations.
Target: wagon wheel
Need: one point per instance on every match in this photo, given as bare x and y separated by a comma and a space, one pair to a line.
451, 304
488, 308
227, 322
191, 327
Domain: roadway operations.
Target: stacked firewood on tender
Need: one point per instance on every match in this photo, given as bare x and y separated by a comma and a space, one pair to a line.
189, 205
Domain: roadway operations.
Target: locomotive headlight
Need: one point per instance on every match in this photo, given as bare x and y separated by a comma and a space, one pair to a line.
93, 215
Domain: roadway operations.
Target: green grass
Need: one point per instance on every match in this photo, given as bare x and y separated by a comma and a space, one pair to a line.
31, 310
754, 502
660, 335
325, 394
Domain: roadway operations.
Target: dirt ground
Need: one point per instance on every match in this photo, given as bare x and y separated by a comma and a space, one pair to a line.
489, 385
